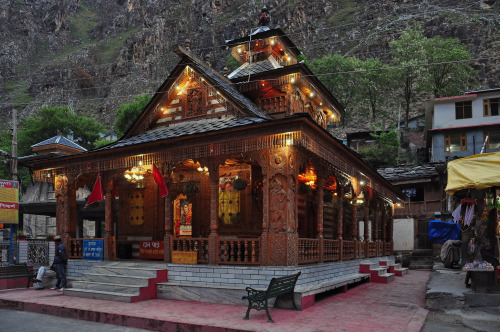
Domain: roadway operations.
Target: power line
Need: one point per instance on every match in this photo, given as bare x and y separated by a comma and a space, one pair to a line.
254, 81
289, 35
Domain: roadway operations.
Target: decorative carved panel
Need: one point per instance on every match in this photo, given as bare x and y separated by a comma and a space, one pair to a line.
279, 204
195, 103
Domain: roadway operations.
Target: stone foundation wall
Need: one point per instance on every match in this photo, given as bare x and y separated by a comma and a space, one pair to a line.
260, 276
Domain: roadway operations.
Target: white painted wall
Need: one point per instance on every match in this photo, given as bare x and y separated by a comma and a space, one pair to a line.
444, 112
403, 235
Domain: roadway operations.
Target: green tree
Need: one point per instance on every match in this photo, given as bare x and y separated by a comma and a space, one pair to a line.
410, 71
449, 69
50, 121
385, 150
340, 76
232, 63
46, 123
128, 113
102, 142
373, 82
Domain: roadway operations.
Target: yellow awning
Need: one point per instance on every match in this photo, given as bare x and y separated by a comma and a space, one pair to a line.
480, 171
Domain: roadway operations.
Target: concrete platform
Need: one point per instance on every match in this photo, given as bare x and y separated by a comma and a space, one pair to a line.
398, 306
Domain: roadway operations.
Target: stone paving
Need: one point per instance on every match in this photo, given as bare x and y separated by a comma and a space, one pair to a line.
397, 306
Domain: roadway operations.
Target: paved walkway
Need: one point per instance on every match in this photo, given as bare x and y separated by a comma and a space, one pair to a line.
398, 306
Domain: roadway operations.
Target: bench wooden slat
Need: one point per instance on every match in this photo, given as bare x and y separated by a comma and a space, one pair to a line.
277, 287
17, 271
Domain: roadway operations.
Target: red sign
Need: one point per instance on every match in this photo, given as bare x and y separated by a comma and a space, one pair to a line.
9, 202
152, 249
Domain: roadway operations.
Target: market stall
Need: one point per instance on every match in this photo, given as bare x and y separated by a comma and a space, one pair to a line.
474, 184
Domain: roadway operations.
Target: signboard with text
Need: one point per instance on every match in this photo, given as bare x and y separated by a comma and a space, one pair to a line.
9, 202
93, 250
152, 249
184, 257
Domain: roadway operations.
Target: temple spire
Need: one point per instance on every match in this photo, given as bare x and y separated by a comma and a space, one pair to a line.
264, 17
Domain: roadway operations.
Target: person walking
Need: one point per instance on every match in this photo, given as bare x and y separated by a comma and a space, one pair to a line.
60, 262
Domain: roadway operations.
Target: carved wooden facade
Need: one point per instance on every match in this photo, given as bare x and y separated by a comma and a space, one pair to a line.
300, 194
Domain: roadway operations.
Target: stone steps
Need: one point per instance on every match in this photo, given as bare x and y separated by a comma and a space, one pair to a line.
122, 282
422, 259
378, 274
394, 268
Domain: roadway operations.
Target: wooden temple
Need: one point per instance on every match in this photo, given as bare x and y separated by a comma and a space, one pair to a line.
254, 177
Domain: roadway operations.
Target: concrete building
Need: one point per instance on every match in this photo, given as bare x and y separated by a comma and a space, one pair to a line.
462, 126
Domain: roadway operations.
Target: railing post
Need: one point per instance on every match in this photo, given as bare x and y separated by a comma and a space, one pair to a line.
213, 238
167, 239
319, 216
355, 228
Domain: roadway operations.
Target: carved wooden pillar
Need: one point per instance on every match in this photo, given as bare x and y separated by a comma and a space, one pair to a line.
390, 222
168, 230
354, 233
319, 214
366, 232
214, 205
264, 257
384, 224
283, 236
109, 240
340, 213
65, 208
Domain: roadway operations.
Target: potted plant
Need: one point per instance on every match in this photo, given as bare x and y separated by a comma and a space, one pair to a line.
21, 235
50, 237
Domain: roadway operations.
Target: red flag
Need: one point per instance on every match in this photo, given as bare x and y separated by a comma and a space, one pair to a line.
96, 194
160, 181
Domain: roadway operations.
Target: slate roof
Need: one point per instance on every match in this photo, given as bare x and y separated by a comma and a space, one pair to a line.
403, 173
183, 129
255, 68
59, 140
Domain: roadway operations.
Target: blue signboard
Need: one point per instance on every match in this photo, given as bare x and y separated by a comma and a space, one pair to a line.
13, 244
93, 250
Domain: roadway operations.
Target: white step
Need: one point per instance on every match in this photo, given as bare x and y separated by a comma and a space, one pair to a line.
107, 287
101, 295
116, 279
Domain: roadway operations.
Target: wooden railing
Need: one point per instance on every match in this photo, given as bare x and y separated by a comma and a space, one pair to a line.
380, 248
75, 247
308, 251
388, 248
361, 248
192, 244
348, 250
238, 251
331, 250
372, 249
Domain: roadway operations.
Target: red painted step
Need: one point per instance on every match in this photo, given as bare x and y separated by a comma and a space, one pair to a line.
378, 274
394, 268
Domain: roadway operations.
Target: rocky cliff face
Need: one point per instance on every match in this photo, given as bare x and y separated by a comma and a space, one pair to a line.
94, 55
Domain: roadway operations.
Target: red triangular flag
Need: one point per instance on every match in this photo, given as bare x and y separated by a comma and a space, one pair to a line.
160, 181
96, 194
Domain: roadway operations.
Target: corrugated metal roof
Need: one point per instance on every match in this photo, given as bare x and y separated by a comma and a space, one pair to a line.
59, 140
183, 129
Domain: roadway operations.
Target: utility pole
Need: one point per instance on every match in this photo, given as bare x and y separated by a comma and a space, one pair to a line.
13, 160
